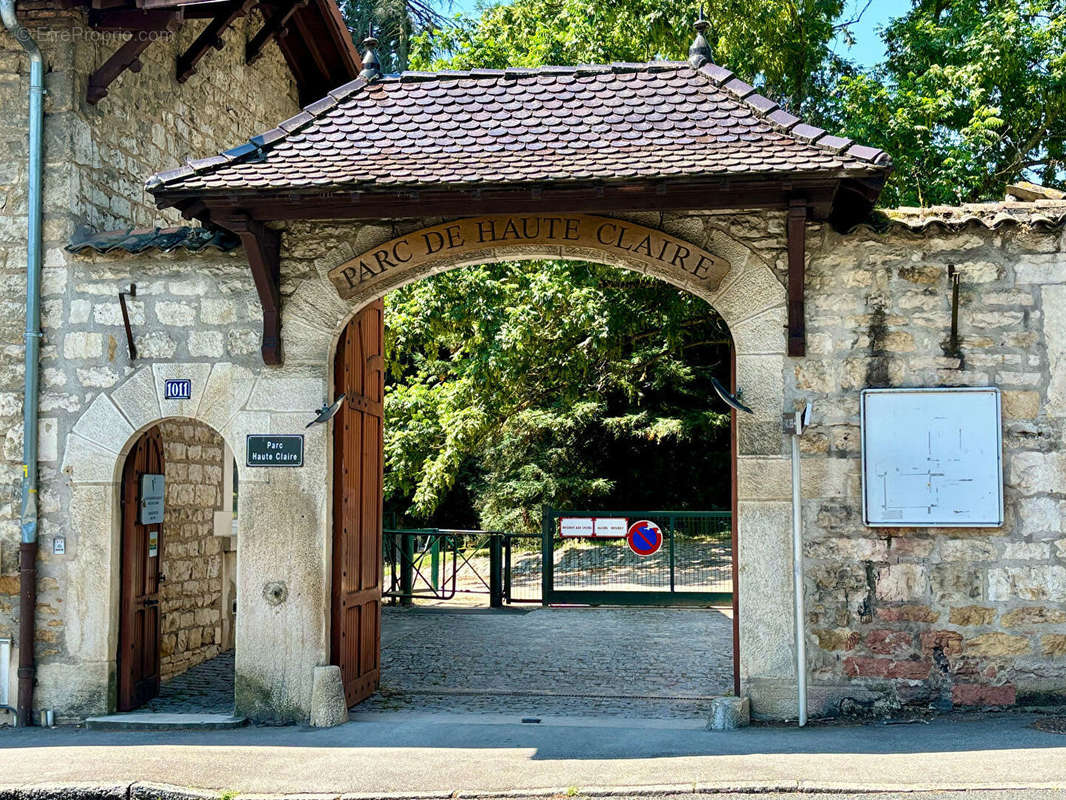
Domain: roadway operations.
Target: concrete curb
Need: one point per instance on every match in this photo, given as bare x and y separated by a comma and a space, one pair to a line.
160, 791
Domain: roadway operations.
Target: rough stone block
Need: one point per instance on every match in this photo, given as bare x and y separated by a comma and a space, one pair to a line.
1033, 615
328, 706
1053, 644
972, 615
729, 713
902, 582
1054, 307
998, 644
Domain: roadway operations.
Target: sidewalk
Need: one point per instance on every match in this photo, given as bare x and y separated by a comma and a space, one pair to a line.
437, 754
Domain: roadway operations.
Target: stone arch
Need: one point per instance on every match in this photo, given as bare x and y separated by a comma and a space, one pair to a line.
752, 301
745, 290
233, 400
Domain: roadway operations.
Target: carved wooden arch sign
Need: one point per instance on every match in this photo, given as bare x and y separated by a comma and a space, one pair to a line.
487, 238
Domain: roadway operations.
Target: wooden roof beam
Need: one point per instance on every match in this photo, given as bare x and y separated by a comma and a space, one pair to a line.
274, 26
128, 55
211, 37
263, 248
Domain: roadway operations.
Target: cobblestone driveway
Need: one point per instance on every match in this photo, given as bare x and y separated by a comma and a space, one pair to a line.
207, 688
583, 661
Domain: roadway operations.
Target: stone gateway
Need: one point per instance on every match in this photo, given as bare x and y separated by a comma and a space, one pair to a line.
271, 308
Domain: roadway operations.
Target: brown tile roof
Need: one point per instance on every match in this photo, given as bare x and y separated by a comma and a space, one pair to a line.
135, 240
589, 123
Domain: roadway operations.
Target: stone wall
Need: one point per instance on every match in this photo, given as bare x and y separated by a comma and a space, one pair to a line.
895, 616
96, 161
964, 617
191, 602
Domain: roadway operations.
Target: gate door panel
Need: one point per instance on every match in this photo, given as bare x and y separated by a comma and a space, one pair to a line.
142, 546
357, 469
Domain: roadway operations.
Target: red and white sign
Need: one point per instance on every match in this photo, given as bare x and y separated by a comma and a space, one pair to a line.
644, 537
576, 527
593, 527
610, 527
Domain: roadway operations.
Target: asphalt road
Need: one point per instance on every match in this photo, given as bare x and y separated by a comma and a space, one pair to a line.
415, 754
1009, 794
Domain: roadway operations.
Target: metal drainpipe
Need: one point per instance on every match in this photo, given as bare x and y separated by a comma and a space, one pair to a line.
28, 548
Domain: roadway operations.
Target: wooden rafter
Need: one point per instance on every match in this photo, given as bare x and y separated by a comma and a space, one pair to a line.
797, 255
263, 247
275, 26
133, 20
211, 36
128, 55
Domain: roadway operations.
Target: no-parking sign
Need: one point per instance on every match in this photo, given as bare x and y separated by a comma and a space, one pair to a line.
644, 537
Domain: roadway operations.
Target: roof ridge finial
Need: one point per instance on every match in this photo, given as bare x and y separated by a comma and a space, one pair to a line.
699, 52
371, 65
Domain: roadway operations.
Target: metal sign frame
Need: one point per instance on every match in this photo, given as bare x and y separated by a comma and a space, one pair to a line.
992, 522
264, 436
151, 504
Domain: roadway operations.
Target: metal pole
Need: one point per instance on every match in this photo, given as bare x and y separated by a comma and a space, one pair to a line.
547, 555
434, 555
407, 567
495, 571
27, 668
797, 581
673, 556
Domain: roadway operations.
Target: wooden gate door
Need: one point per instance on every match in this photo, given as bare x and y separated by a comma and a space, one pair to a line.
357, 484
142, 546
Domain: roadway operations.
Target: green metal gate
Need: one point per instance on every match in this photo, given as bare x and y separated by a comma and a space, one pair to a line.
694, 566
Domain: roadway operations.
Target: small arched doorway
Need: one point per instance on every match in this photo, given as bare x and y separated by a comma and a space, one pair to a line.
177, 609
140, 627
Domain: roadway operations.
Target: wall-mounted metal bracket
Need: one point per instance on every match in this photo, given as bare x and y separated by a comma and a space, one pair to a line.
126, 319
953, 341
797, 247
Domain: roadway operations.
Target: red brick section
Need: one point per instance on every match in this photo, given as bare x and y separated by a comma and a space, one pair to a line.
870, 667
976, 694
492, 127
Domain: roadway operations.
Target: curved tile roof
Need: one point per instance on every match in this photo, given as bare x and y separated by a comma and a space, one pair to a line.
593, 123
1047, 214
136, 240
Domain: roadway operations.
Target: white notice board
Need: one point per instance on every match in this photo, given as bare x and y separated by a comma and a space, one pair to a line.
932, 458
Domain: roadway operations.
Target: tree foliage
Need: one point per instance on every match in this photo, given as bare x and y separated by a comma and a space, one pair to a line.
393, 23
519, 384
971, 96
780, 44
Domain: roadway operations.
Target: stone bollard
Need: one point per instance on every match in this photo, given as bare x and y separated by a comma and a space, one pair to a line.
328, 707
729, 713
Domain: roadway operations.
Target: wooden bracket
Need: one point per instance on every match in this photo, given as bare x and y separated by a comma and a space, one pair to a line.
128, 56
274, 26
797, 247
263, 247
211, 37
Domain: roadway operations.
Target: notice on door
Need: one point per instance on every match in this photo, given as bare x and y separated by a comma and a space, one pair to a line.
275, 450
152, 490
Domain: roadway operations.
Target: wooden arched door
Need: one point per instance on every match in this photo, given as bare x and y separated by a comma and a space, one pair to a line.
358, 467
142, 547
